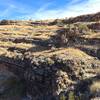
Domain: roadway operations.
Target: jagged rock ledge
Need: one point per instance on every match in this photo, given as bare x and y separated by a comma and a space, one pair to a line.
47, 77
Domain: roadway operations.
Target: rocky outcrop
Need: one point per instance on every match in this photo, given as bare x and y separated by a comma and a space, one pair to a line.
51, 77
50, 63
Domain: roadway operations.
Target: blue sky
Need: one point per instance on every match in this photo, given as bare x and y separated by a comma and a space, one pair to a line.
46, 9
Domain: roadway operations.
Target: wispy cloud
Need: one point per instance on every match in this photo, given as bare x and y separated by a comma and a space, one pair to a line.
7, 11
11, 8
69, 9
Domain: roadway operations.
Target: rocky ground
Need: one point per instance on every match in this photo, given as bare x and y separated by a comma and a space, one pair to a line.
44, 60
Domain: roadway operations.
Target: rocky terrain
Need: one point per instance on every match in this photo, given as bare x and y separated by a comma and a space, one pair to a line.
50, 60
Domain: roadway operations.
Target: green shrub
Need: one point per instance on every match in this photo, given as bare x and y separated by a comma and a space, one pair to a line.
71, 95
62, 97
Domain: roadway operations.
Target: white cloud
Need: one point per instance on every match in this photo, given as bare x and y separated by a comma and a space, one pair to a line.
12, 7
71, 9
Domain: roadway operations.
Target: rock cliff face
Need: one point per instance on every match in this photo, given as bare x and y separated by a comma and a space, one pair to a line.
43, 62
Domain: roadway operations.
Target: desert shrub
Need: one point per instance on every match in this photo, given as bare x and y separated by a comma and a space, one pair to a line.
71, 95
7, 22
65, 34
57, 22
83, 26
94, 26
83, 29
4, 22
62, 97
95, 87
53, 23
79, 97
60, 23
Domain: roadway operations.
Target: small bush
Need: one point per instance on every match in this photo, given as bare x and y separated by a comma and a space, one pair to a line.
71, 96
4, 22
95, 87
62, 97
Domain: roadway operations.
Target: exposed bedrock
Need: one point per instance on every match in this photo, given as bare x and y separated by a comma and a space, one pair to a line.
47, 78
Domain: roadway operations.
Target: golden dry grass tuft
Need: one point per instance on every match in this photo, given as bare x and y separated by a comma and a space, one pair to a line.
95, 87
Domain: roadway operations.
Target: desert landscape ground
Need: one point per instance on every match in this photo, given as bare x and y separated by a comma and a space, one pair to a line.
50, 59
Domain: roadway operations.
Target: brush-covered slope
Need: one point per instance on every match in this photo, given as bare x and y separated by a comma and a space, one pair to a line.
41, 60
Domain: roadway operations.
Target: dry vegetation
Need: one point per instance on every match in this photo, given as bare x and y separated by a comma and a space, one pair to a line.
58, 53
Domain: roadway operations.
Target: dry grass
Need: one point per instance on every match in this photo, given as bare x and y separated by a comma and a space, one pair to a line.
92, 35
38, 32
69, 51
2, 51
95, 87
18, 45
42, 32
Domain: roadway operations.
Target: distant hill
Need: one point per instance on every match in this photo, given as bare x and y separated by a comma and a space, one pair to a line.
84, 18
